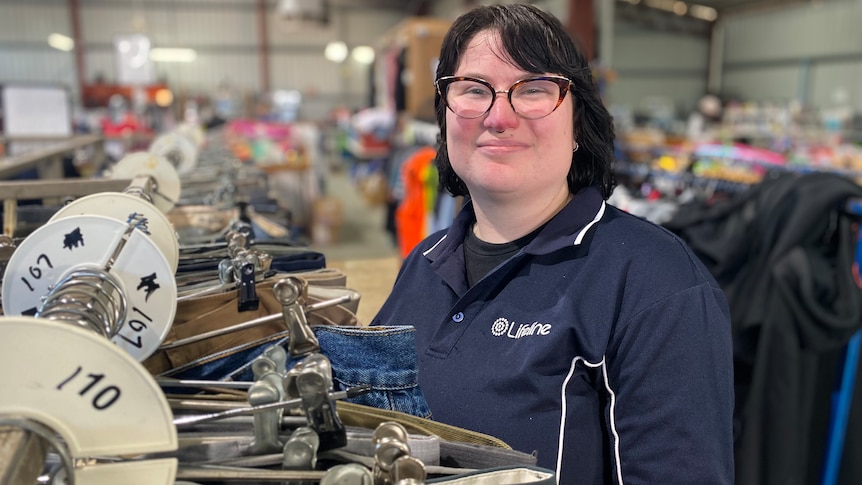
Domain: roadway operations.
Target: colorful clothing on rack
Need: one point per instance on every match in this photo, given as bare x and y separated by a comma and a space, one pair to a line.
414, 215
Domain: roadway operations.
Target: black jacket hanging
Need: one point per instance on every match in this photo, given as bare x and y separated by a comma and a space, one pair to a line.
783, 252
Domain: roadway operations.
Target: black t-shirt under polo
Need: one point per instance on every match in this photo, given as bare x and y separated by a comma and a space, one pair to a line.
481, 257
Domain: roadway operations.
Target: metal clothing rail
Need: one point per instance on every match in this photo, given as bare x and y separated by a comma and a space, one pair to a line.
47, 159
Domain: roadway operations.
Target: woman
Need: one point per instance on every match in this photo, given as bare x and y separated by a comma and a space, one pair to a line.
544, 316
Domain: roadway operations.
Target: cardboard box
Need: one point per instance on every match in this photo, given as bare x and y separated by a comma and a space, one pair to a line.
326, 220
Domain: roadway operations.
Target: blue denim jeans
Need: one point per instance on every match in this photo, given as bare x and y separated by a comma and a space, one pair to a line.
382, 357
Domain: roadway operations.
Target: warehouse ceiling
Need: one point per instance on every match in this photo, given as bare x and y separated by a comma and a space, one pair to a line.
722, 7
741, 6
408, 7
695, 17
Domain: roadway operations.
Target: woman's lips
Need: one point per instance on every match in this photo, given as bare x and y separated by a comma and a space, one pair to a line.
500, 146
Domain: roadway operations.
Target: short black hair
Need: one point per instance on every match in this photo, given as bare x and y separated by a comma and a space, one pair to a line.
538, 43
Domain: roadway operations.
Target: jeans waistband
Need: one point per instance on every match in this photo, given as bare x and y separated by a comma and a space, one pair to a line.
382, 357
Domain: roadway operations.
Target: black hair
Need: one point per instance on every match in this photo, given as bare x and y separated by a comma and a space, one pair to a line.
538, 43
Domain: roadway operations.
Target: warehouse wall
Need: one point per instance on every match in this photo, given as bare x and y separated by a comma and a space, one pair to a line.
658, 67
657, 58
24, 54
297, 62
224, 33
452, 8
810, 52
652, 64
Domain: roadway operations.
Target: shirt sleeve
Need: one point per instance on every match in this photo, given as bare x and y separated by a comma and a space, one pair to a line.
670, 375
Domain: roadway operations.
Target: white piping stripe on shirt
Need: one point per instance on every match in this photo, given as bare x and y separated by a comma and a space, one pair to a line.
434, 246
613, 421
586, 228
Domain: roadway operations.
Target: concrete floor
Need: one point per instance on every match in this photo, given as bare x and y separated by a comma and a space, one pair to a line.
361, 247
362, 233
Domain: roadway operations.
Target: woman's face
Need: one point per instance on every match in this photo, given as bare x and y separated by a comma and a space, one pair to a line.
501, 155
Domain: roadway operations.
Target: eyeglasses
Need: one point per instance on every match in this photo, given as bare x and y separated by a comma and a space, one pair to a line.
533, 98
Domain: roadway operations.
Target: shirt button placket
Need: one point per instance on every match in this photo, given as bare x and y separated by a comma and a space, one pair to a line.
458, 317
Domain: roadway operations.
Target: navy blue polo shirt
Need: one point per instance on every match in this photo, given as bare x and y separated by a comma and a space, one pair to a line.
604, 346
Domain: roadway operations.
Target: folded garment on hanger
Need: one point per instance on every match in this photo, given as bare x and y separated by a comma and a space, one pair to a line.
514, 475
205, 223
323, 284
200, 315
450, 454
285, 257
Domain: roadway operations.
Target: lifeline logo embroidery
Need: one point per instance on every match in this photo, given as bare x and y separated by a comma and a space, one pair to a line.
502, 327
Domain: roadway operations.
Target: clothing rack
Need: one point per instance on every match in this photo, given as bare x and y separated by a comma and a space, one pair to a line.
784, 403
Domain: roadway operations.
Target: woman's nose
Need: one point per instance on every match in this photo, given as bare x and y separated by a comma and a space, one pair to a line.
501, 116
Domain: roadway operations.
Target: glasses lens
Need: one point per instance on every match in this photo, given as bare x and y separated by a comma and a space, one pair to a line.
469, 99
536, 99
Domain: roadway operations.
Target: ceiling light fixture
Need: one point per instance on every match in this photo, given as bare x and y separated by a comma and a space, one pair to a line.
61, 42
336, 51
172, 54
363, 54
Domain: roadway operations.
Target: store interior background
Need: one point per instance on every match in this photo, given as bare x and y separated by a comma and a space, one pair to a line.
785, 72
323, 109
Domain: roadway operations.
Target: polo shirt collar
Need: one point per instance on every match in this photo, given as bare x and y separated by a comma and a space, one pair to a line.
567, 228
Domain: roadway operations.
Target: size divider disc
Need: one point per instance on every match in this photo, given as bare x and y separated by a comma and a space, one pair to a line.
95, 396
193, 132
121, 207
53, 250
179, 149
158, 167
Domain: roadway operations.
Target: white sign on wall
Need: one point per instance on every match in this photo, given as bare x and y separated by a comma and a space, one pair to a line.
36, 110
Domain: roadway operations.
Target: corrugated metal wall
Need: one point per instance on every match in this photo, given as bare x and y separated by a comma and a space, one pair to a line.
810, 52
224, 33
652, 65
24, 54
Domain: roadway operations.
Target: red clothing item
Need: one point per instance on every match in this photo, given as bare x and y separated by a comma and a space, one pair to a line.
127, 126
